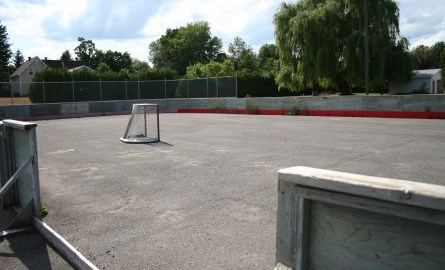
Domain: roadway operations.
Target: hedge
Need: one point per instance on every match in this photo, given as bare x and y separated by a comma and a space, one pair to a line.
59, 85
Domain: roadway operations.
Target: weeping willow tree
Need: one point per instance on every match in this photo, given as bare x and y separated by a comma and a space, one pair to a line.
321, 44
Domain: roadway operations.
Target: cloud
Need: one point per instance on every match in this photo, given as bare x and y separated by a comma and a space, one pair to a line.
422, 20
101, 19
48, 27
429, 40
248, 19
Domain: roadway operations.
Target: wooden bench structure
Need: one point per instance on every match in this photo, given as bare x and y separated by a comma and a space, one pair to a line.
335, 220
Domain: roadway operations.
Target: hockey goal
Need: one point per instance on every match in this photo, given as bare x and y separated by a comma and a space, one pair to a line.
143, 126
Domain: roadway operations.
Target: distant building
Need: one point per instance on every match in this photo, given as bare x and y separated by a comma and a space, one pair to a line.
425, 81
22, 77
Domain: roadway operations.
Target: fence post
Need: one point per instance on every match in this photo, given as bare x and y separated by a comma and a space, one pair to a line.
20, 86
72, 83
126, 91
165, 88
139, 90
236, 85
100, 89
217, 92
188, 93
43, 89
12, 101
207, 86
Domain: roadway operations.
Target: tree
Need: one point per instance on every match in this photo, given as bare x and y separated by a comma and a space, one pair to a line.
184, 46
86, 52
138, 65
442, 67
115, 60
242, 55
428, 57
18, 59
66, 56
268, 60
5, 53
423, 57
212, 69
103, 68
321, 43
439, 49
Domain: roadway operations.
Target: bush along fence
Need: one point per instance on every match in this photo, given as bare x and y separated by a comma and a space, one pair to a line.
79, 91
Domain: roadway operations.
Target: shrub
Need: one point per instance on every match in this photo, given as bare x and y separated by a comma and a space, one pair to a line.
293, 111
219, 106
255, 85
94, 86
251, 106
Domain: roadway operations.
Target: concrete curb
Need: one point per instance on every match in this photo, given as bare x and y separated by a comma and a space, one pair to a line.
63, 246
337, 113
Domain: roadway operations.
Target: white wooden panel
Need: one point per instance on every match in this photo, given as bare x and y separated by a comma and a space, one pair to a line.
346, 238
22, 151
399, 191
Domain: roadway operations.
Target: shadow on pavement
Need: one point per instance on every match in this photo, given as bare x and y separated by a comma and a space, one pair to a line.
29, 251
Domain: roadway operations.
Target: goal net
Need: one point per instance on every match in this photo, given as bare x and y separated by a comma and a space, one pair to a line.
143, 126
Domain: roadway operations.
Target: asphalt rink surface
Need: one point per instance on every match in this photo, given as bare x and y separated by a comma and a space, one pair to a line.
205, 197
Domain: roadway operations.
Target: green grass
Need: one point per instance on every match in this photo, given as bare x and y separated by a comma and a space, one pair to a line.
16, 100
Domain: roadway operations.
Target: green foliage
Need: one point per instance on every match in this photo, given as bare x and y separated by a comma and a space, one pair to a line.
139, 66
44, 210
86, 51
293, 111
54, 92
428, 57
321, 44
269, 60
251, 105
442, 66
242, 55
423, 57
255, 85
156, 74
66, 56
18, 59
5, 54
185, 46
103, 68
84, 75
237, 48
221, 57
115, 60
212, 69
219, 106
90, 86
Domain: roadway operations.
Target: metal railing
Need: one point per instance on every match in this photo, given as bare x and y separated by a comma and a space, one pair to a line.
76, 91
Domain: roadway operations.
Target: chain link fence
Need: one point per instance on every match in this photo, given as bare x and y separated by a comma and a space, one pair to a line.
78, 91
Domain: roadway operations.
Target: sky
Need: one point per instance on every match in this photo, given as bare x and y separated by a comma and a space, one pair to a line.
46, 28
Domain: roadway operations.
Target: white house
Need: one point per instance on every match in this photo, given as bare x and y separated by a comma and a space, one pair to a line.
21, 79
425, 81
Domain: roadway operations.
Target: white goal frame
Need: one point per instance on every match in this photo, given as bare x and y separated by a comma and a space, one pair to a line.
142, 108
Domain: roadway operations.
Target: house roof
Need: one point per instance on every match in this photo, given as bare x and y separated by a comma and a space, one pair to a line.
81, 68
49, 63
430, 72
23, 67
63, 64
